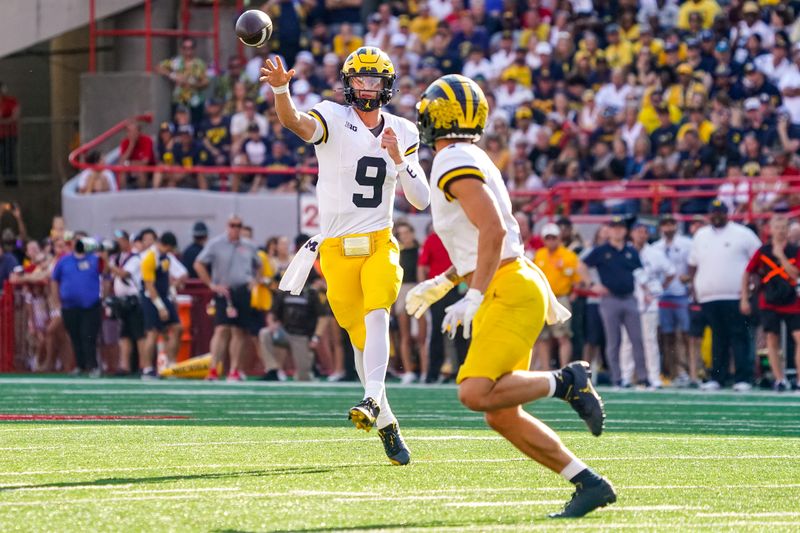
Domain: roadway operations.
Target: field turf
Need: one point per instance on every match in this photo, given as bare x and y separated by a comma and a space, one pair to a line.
258, 457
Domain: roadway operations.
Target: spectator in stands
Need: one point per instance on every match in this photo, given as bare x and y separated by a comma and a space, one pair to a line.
215, 133
189, 75
185, 152
158, 304
234, 266
199, 239
280, 159
136, 149
776, 265
254, 151
94, 180
718, 258
76, 294
560, 266
223, 86
346, 41
616, 262
241, 121
164, 140
10, 112
127, 282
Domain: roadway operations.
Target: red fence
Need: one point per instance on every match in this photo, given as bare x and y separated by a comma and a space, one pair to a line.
7, 326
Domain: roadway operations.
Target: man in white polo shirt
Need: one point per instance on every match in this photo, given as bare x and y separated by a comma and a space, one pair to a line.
718, 258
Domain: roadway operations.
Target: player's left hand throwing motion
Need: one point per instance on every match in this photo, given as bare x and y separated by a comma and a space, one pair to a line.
390, 143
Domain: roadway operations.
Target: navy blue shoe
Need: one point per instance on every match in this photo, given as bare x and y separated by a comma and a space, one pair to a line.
587, 499
364, 414
583, 397
396, 449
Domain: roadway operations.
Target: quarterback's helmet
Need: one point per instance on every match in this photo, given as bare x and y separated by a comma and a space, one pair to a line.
452, 107
369, 62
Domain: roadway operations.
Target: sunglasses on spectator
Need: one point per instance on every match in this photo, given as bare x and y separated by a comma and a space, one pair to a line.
235, 225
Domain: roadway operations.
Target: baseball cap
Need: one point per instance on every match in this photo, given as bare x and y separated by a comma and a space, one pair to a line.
330, 59
692, 43
717, 207
670, 47
550, 230
200, 229
723, 47
523, 112
213, 101
610, 112
706, 36
375, 17
302, 87
752, 104
166, 126
617, 221
612, 28
750, 7
121, 234
749, 68
186, 129
564, 221
667, 218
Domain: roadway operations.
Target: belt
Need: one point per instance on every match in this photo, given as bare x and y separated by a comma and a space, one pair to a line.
357, 244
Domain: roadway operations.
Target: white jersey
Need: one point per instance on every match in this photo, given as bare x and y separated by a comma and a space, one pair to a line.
458, 234
357, 178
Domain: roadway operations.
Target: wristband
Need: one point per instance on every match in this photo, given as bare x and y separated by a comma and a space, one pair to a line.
401, 166
159, 303
281, 89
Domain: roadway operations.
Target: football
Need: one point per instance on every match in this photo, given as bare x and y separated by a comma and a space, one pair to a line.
254, 28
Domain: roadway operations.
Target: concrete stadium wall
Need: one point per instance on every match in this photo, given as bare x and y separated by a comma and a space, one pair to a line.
178, 209
27, 22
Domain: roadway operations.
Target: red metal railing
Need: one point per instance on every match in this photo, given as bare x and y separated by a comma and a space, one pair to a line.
149, 32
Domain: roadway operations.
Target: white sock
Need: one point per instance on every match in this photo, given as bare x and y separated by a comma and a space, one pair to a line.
376, 353
359, 363
575, 467
551, 379
386, 415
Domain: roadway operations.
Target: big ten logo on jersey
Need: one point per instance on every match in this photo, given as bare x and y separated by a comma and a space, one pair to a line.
350, 126
309, 214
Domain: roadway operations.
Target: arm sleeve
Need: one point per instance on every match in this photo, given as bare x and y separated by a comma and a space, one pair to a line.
321, 133
415, 183
149, 267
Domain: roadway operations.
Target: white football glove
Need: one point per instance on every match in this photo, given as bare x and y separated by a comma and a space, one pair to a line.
430, 291
462, 312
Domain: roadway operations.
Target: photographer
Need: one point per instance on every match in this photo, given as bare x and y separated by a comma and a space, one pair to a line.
76, 292
125, 266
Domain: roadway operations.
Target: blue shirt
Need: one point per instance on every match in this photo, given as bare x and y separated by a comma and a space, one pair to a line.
78, 281
615, 267
7, 265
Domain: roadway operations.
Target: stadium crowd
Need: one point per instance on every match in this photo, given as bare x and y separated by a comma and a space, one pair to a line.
579, 90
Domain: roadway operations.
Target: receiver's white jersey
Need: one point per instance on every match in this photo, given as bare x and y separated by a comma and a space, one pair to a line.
357, 178
458, 234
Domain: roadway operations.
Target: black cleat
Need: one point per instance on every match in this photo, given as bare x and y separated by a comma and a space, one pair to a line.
583, 398
364, 414
396, 449
587, 499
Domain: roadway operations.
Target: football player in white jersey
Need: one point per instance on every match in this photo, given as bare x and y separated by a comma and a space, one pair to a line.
508, 299
362, 152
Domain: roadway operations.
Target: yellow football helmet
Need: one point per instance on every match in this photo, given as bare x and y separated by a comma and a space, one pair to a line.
452, 107
372, 62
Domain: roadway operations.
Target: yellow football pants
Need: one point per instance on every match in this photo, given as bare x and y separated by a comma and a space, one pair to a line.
507, 323
358, 285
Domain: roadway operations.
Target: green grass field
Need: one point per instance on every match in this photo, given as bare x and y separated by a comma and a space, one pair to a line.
257, 457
